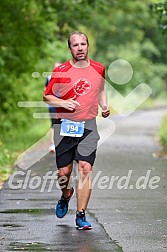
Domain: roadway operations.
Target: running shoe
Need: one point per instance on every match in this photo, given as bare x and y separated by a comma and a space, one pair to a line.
81, 222
62, 205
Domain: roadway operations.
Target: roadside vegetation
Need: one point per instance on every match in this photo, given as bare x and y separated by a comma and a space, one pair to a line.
34, 36
163, 133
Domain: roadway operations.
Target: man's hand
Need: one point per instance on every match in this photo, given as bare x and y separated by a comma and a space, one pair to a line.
70, 104
105, 112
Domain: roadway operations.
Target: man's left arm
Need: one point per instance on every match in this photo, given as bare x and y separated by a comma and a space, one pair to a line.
104, 104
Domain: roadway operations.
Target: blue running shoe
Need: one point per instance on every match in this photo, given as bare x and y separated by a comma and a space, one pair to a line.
62, 205
81, 222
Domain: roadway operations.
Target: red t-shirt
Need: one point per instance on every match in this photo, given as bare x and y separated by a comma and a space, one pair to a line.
82, 84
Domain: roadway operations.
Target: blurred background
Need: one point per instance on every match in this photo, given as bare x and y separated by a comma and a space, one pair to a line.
33, 36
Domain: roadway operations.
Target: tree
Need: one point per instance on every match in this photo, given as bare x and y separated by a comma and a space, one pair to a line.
161, 10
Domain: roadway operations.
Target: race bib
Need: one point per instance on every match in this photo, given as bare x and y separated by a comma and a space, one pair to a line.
71, 128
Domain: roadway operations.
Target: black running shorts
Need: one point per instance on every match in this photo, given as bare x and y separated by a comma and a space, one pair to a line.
76, 148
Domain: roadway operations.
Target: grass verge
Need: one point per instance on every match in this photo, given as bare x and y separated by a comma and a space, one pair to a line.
163, 133
17, 141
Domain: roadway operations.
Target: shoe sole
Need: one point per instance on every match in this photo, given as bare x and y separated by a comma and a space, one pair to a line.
84, 228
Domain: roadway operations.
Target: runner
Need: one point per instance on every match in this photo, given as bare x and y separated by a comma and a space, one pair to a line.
79, 85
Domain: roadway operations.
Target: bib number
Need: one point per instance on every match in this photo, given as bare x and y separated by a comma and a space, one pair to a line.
71, 128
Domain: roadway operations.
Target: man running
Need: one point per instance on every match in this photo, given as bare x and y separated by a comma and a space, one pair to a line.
79, 84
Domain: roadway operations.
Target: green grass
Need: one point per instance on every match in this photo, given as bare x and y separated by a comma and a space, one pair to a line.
15, 142
163, 132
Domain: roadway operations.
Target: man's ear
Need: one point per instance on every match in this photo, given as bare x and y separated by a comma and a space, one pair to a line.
69, 50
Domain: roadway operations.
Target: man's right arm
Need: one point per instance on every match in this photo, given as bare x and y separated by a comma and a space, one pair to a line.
52, 100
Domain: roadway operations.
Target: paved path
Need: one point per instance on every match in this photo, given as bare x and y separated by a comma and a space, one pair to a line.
136, 218
125, 217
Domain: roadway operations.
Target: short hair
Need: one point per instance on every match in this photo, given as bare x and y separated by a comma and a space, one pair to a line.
77, 33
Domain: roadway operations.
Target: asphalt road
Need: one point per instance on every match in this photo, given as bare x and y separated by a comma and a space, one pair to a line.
127, 209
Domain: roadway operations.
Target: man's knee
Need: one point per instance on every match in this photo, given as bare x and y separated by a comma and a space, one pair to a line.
65, 171
85, 168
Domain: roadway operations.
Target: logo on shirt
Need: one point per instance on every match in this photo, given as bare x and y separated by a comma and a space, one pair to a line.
82, 86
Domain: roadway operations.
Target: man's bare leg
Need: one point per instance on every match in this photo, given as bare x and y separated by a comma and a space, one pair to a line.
64, 179
84, 187
64, 176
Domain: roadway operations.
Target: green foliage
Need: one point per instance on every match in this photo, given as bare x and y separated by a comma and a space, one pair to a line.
18, 140
160, 8
163, 132
131, 33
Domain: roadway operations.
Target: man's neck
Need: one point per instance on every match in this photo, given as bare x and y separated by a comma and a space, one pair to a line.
80, 63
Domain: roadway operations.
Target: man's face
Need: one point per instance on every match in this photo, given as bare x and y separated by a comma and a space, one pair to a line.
78, 47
